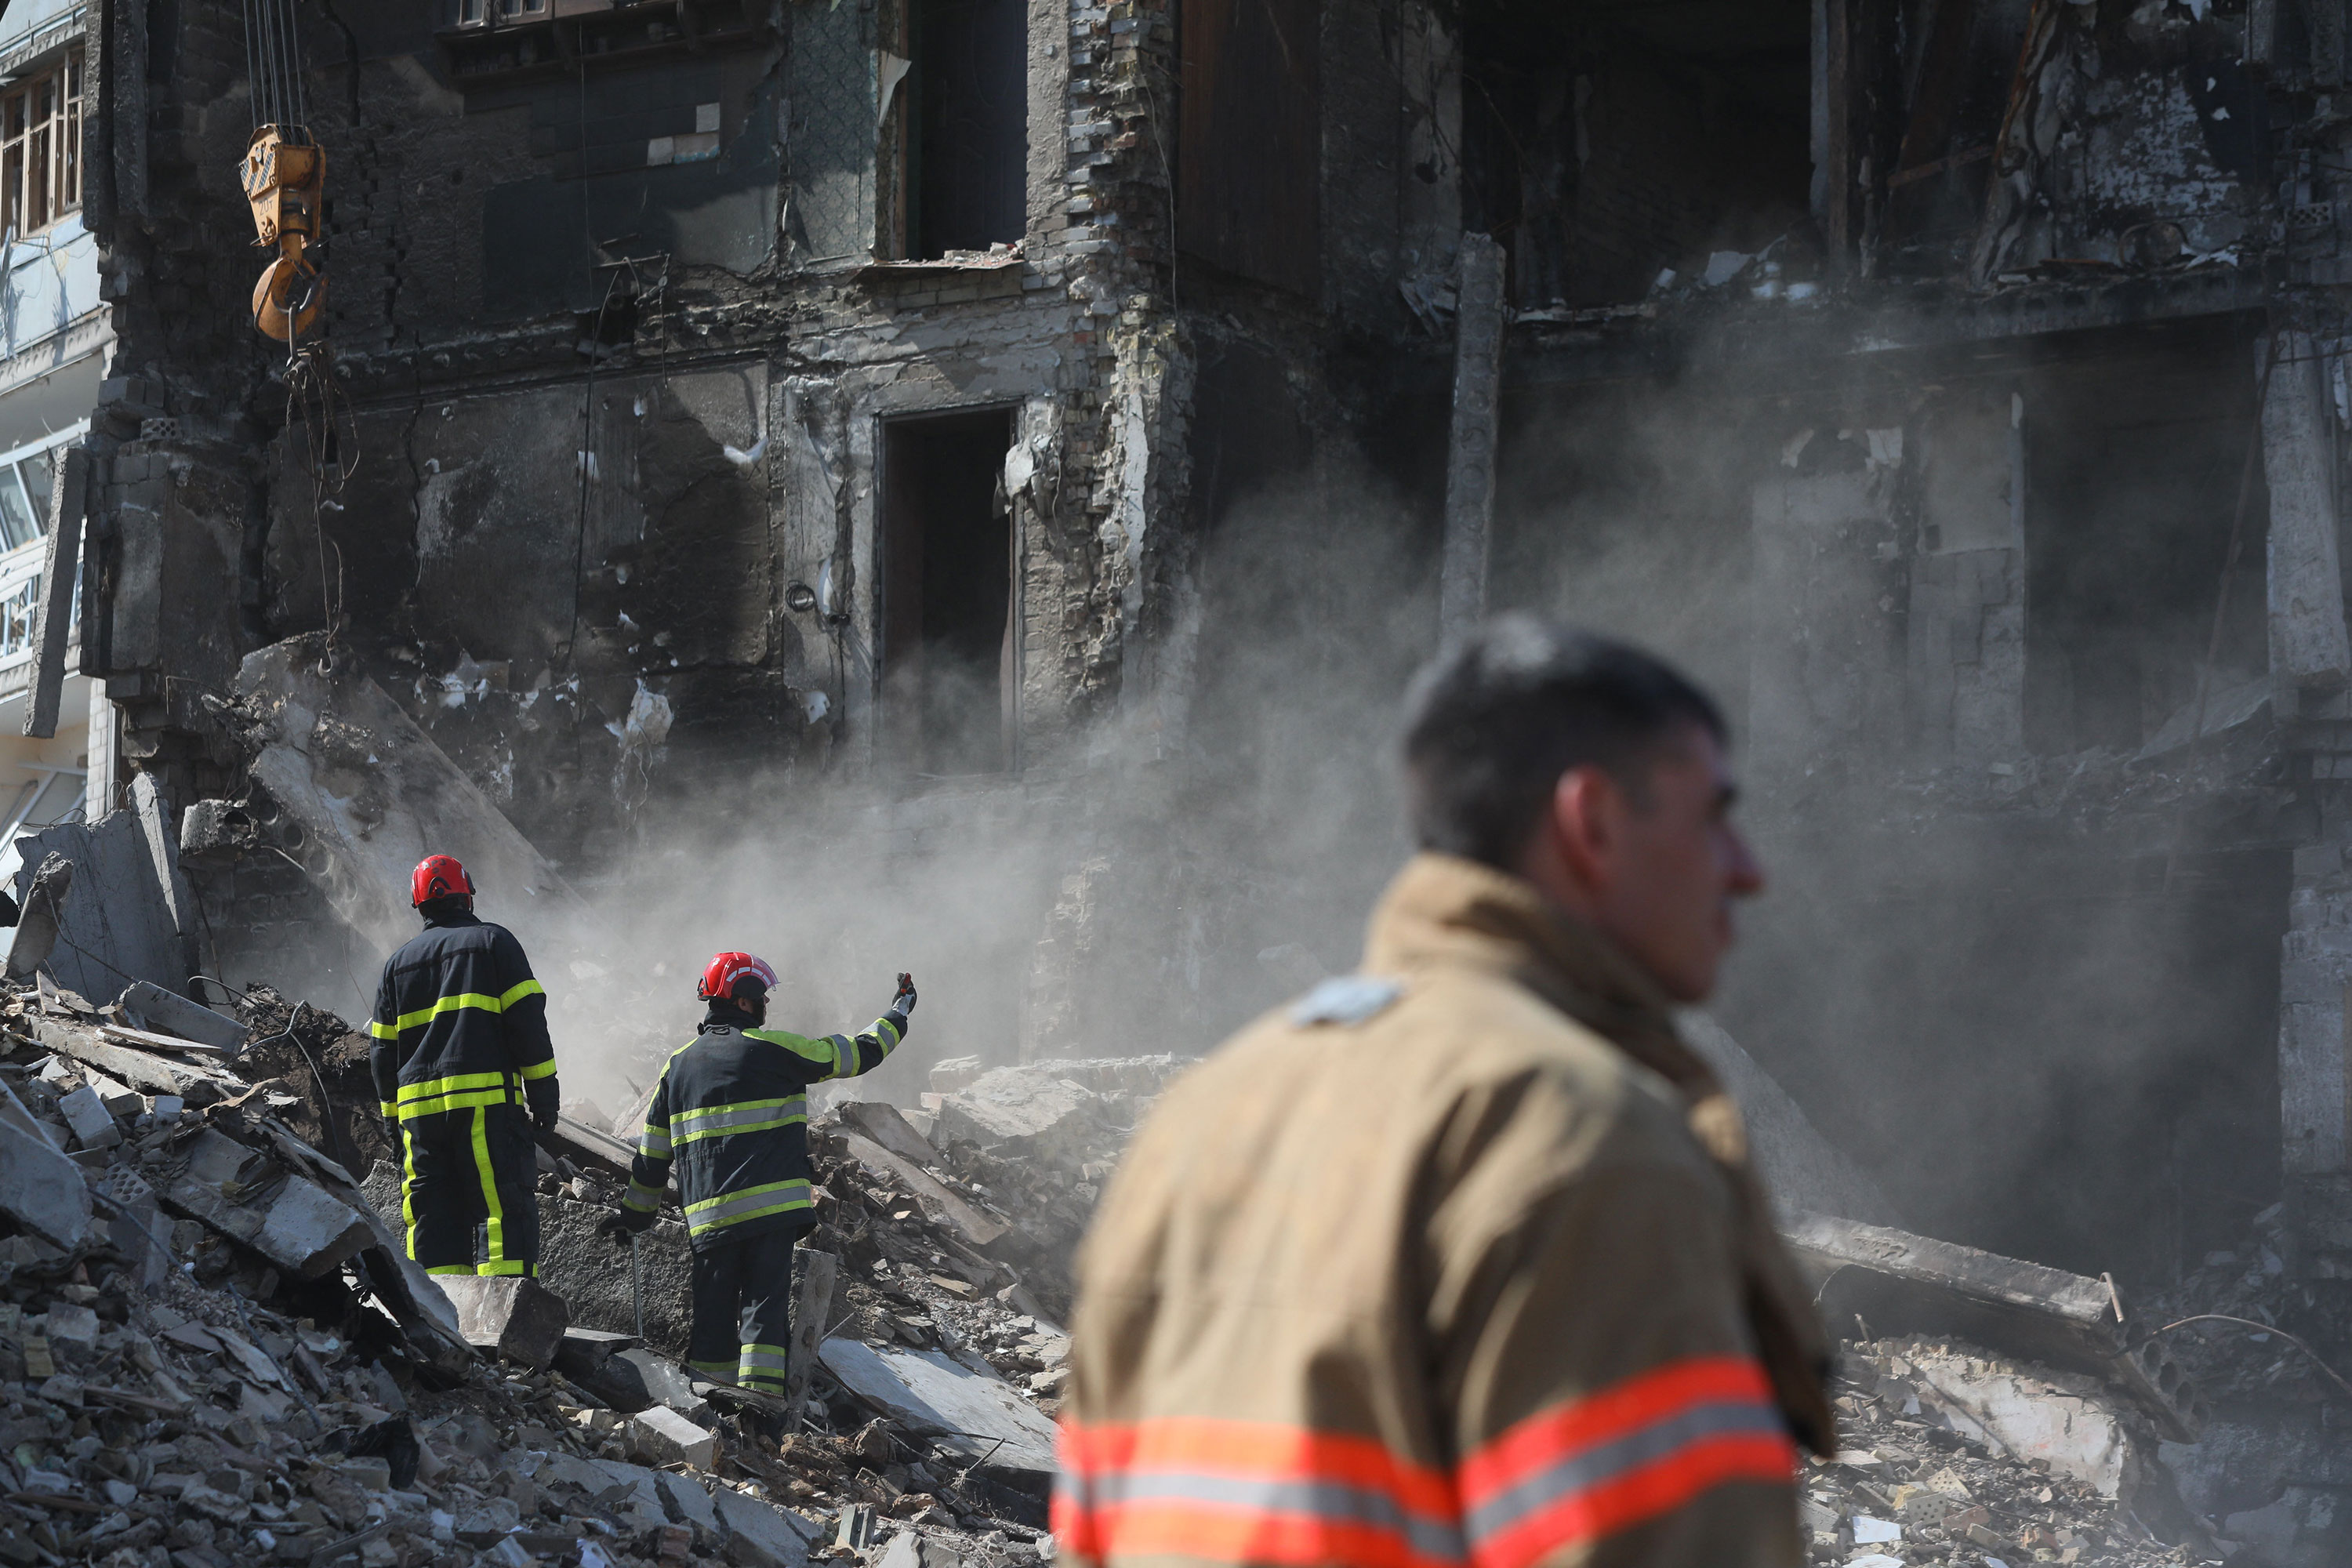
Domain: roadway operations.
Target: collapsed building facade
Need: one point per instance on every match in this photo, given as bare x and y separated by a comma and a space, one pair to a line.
960, 483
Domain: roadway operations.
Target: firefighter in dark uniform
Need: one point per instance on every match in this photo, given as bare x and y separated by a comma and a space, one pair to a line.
732, 1112
464, 1070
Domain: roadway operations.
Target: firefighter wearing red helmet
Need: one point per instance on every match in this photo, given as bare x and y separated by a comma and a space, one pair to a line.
730, 1114
464, 1070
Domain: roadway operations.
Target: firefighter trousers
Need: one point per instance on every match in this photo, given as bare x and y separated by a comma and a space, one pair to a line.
466, 1190
743, 1309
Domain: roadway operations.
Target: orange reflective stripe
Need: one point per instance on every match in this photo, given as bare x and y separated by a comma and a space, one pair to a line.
1630, 1453
1251, 1492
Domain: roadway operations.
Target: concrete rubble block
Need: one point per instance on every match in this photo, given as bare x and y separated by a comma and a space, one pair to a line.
152, 1008
974, 1413
249, 1197
760, 1534
134, 1224
1032, 1112
603, 1282
516, 1318
1904, 1284
127, 912
40, 1187
940, 1204
583, 1351
120, 1100
660, 1435
93, 1125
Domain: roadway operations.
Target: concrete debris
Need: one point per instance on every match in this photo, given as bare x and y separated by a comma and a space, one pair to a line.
161, 1012
517, 1319
939, 1204
1899, 1283
373, 795
1952, 1455
929, 1392
122, 912
228, 1362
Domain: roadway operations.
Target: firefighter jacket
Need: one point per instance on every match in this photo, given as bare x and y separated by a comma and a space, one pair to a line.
459, 1022
1455, 1263
732, 1113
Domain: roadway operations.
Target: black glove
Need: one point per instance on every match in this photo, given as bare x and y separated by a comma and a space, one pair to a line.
623, 1223
545, 1100
903, 1004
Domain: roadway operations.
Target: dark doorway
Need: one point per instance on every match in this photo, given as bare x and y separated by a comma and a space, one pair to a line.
969, 141
947, 594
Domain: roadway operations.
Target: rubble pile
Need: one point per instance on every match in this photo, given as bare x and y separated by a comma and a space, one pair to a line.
1920, 1478
2240, 1362
211, 1352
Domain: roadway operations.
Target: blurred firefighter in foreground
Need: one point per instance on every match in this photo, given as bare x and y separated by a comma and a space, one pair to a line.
731, 1111
1458, 1260
464, 1070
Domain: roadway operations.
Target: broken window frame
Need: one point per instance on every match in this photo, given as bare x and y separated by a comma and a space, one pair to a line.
41, 148
36, 496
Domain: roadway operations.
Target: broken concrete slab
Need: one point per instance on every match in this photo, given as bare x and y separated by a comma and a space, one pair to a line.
40, 911
509, 1315
638, 1379
373, 795
934, 1394
40, 1187
1904, 1284
247, 1196
134, 1224
1803, 1173
167, 1013
884, 1124
940, 1204
128, 913
814, 1274
760, 1534
1024, 1113
689, 1501
660, 1435
142, 1070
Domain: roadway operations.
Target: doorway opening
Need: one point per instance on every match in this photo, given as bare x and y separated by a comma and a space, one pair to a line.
948, 630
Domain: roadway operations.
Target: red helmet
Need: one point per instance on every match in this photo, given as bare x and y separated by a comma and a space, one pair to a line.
729, 970
438, 876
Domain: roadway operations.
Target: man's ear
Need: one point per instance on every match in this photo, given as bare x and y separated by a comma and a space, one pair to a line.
1586, 821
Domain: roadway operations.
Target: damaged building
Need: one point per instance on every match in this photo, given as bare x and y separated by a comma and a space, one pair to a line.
958, 485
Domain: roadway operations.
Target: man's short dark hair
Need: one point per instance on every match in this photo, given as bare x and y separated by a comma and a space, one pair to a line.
1492, 724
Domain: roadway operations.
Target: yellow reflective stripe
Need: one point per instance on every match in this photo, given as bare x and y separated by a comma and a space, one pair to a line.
383, 1031
408, 1193
424, 1015
641, 1198
799, 1045
537, 1071
653, 1142
497, 1228
844, 1057
450, 1268
515, 993
448, 1102
742, 1115
388, 1108
750, 1202
433, 1088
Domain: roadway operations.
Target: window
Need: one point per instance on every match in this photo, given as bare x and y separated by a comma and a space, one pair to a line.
967, 149
41, 148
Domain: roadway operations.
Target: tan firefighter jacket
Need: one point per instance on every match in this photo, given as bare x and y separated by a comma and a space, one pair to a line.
1456, 1263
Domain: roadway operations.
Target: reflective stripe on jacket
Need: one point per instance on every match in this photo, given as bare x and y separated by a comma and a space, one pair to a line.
459, 1022
1456, 1263
732, 1114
